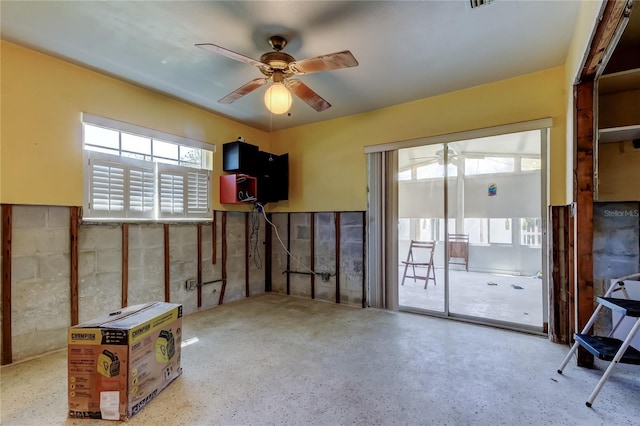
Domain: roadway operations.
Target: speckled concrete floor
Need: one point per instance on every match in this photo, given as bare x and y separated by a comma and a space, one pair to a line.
278, 360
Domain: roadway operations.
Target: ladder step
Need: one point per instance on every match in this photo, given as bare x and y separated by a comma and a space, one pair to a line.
605, 348
627, 307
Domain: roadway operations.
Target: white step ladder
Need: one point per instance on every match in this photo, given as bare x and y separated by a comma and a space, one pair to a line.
609, 348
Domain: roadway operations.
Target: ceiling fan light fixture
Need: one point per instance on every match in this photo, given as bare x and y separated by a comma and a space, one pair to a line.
277, 98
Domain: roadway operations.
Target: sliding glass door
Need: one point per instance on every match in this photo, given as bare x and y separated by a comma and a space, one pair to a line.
480, 201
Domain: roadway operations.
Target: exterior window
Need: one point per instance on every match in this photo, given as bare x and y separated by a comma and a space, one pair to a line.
489, 231
133, 173
531, 232
404, 175
488, 165
529, 163
500, 231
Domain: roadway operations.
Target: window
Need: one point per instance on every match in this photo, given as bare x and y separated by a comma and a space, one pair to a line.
135, 173
488, 165
489, 230
530, 163
404, 175
531, 232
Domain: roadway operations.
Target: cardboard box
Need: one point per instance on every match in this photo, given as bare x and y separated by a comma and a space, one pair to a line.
119, 362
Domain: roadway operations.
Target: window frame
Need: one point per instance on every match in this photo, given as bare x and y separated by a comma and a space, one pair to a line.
192, 201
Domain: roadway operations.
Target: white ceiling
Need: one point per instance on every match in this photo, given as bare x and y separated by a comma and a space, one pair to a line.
407, 50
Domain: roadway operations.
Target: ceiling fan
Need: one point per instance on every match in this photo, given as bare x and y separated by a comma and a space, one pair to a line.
279, 66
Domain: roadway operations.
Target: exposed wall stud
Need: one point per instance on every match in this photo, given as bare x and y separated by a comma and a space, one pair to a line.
167, 265
268, 255
199, 227
214, 239
125, 265
73, 258
337, 222
246, 254
312, 235
584, 209
558, 296
289, 249
224, 257
7, 351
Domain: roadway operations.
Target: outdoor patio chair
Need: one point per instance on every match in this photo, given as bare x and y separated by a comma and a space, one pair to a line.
459, 250
420, 256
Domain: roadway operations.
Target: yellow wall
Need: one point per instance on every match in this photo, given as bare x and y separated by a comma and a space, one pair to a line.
619, 109
588, 16
328, 164
618, 165
42, 99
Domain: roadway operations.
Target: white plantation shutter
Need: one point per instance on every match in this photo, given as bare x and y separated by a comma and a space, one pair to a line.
120, 187
142, 190
198, 193
107, 189
172, 182
133, 173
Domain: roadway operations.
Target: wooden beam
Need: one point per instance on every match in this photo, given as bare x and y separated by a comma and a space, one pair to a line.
337, 222
559, 315
246, 254
73, 258
614, 18
7, 350
125, 265
584, 209
199, 230
167, 265
224, 257
214, 239
289, 250
312, 255
268, 255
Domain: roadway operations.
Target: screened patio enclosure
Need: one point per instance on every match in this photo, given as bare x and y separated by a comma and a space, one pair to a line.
490, 191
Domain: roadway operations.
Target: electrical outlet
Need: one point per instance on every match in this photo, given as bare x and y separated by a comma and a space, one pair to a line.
191, 284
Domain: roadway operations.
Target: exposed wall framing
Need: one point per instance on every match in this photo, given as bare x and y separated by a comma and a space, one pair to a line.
223, 231
125, 265
73, 258
614, 18
167, 265
559, 330
7, 353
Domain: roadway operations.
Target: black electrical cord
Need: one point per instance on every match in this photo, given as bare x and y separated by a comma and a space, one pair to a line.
254, 237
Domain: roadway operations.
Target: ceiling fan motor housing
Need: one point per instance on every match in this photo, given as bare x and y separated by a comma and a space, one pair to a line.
276, 61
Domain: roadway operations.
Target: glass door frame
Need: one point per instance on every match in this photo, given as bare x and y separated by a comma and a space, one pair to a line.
391, 217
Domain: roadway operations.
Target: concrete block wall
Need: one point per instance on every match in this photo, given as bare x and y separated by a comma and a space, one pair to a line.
40, 270
257, 264
352, 257
146, 263
300, 284
99, 270
351, 246
325, 256
278, 254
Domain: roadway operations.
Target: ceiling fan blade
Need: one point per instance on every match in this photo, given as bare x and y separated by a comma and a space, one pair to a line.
231, 54
332, 61
241, 91
303, 91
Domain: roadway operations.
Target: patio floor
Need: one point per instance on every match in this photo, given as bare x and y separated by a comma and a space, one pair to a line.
510, 298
